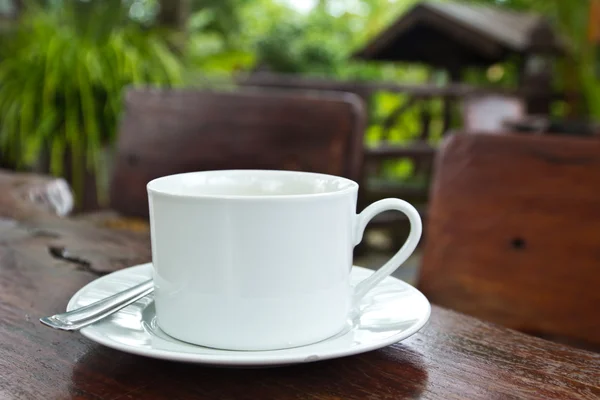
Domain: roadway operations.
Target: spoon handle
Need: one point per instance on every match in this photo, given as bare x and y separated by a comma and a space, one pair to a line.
84, 316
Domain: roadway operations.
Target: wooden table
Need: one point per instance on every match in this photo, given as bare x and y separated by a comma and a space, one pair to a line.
44, 259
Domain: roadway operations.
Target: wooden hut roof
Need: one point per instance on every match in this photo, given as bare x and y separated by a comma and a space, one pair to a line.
454, 34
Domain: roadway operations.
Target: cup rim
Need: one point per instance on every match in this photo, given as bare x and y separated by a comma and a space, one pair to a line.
350, 187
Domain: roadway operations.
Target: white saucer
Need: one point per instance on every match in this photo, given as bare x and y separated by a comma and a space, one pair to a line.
390, 313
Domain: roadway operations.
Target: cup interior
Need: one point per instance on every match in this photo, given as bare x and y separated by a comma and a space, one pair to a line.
250, 183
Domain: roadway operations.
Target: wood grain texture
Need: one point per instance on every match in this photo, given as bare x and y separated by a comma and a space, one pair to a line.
165, 132
514, 233
453, 357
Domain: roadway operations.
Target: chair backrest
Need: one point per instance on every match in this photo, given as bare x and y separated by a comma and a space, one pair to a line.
488, 113
514, 233
166, 132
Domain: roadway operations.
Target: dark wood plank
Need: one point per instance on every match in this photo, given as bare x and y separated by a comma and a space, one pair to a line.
380, 189
174, 131
454, 356
513, 233
28, 221
389, 219
418, 150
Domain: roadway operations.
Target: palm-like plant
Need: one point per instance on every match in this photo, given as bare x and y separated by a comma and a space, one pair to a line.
62, 73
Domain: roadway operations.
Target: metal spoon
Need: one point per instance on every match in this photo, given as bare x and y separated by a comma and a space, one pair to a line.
87, 315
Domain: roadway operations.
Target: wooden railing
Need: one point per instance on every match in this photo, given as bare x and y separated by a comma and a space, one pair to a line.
421, 150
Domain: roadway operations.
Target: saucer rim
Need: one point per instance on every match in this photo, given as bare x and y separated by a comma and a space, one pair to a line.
261, 358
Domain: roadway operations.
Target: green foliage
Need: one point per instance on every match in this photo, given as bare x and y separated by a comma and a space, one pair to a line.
321, 42
314, 53
583, 64
579, 71
210, 52
226, 19
63, 70
62, 75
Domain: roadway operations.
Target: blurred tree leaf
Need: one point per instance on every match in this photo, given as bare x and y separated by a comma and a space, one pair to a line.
62, 75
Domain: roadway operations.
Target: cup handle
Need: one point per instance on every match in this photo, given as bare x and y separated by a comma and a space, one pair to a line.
416, 229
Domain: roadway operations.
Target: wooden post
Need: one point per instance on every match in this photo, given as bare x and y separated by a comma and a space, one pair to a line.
173, 13
539, 69
594, 32
594, 23
454, 74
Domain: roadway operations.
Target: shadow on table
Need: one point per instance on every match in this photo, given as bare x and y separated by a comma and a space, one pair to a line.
383, 373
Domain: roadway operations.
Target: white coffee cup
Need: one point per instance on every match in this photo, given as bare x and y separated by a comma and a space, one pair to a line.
258, 259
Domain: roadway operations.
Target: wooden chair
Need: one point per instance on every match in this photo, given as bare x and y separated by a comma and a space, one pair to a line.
514, 233
394, 224
172, 131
